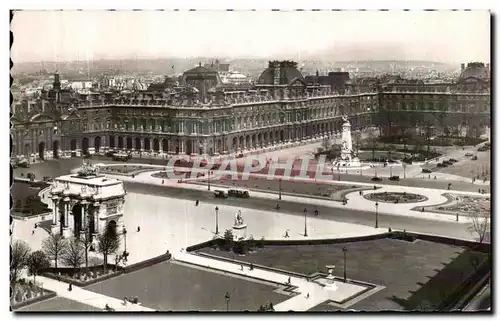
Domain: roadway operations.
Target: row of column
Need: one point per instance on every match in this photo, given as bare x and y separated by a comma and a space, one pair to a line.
65, 220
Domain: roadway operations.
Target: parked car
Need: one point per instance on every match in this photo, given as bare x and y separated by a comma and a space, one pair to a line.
474, 158
394, 178
441, 165
220, 193
110, 153
376, 179
447, 163
426, 170
468, 155
452, 160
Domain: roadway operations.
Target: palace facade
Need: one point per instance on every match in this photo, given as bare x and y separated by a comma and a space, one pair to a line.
202, 116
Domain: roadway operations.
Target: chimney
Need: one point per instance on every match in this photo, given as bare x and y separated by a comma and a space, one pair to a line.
57, 83
277, 73
462, 67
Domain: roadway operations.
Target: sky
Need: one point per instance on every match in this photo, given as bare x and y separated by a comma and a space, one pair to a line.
444, 36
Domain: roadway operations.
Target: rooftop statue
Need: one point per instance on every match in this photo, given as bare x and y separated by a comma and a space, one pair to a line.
88, 169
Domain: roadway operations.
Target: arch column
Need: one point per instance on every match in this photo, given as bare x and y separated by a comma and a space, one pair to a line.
55, 210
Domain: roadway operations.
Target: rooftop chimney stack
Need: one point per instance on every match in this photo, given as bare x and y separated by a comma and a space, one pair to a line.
462, 67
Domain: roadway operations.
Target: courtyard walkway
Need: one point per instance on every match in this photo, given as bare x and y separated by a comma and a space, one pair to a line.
88, 297
300, 302
434, 196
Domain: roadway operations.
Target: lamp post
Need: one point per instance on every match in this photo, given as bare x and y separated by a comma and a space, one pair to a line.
376, 215
125, 240
305, 222
280, 189
228, 298
208, 180
457, 217
345, 271
216, 220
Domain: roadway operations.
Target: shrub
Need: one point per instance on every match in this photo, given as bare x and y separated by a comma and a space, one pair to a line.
240, 247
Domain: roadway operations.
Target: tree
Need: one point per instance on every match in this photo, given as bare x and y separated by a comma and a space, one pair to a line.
373, 143
326, 144
357, 139
86, 243
74, 255
108, 243
390, 149
37, 261
480, 224
20, 252
54, 246
228, 240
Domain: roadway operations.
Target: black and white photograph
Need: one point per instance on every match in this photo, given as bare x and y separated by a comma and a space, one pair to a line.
250, 160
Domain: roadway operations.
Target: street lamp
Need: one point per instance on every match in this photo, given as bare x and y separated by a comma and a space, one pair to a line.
216, 220
280, 189
125, 240
305, 222
345, 272
376, 215
228, 298
208, 180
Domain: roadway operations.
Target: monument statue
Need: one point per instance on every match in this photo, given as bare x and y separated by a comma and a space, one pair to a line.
239, 219
347, 157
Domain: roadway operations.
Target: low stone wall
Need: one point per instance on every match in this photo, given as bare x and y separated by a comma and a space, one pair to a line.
50, 273
143, 264
110, 267
48, 295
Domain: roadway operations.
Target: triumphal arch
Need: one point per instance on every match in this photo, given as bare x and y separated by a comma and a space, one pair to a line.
86, 202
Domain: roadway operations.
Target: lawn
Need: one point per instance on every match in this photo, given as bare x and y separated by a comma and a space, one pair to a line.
295, 187
26, 200
57, 304
173, 287
402, 267
126, 169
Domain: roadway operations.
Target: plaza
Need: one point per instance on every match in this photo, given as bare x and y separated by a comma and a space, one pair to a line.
173, 224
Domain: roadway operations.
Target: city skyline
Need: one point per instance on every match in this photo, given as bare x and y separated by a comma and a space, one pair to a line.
441, 36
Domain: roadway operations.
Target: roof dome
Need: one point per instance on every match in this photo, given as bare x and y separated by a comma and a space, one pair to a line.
199, 70
475, 70
288, 72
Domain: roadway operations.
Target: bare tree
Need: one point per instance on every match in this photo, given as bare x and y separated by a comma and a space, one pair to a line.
373, 143
74, 256
86, 244
20, 252
357, 139
480, 224
54, 247
108, 243
37, 261
326, 143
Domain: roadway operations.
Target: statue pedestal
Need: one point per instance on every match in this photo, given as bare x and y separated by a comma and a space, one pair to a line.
239, 232
330, 283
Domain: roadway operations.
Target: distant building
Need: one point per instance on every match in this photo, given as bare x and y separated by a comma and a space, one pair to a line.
337, 80
202, 115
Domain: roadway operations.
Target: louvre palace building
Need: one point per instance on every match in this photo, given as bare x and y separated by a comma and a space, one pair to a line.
200, 115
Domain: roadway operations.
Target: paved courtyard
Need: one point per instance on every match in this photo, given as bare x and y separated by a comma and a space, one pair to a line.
174, 287
402, 267
58, 304
469, 168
